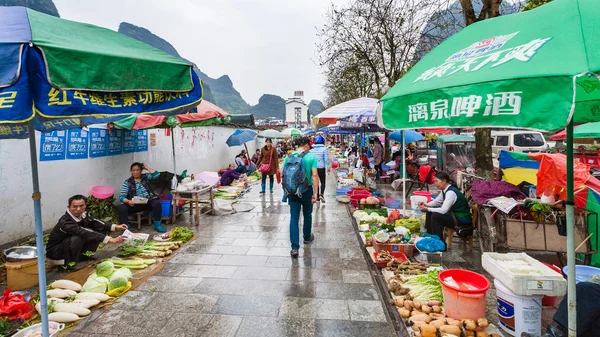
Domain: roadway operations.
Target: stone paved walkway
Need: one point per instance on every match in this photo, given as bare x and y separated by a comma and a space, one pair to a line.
237, 279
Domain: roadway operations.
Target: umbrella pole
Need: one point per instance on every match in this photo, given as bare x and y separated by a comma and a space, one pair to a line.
571, 292
173, 148
39, 232
403, 173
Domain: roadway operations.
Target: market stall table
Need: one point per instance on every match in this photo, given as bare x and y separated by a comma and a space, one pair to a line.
194, 200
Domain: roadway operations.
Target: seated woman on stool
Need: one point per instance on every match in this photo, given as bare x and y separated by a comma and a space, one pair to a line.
137, 186
449, 208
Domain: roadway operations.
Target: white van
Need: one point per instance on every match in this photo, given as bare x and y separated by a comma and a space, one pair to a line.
518, 141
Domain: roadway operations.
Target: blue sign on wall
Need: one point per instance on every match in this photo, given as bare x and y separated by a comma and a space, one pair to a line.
53, 146
129, 140
98, 143
115, 142
141, 144
77, 144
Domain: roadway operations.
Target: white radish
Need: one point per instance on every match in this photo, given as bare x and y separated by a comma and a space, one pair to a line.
66, 284
60, 293
72, 308
92, 296
56, 300
63, 317
51, 302
86, 303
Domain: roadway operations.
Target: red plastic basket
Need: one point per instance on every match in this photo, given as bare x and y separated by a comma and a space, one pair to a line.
400, 257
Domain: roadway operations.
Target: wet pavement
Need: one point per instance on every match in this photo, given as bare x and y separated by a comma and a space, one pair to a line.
238, 279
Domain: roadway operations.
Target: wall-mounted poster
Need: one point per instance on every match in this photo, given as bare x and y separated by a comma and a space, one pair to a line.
141, 144
98, 143
53, 146
115, 142
77, 144
129, 140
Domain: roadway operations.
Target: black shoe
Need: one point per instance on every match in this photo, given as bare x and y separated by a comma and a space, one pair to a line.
312, 238
294, 253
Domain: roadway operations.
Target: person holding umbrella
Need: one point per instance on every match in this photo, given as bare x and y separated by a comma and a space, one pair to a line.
268, 165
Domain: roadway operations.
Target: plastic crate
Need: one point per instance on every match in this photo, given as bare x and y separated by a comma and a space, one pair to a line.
406, 249
400, 257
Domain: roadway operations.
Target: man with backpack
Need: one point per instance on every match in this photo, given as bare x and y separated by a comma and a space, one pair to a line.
300, 181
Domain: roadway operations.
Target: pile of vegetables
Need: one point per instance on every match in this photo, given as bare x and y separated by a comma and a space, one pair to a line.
67, 301
150, 249
413, 225
409, 268
369, 218
108, 279
372, 201
181, 235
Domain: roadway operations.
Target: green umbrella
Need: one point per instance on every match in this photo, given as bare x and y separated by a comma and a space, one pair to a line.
535, 69
292, 132
589, 130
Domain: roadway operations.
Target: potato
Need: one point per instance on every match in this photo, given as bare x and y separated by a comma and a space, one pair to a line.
481, 334
399, 302
417, 325
404, 312
408, 305
422, 317
427, 330
415, 312
426, 309
454, 322
438, 323
432, 303
454, 330
482, 323
437, 316
436, 308
469, 324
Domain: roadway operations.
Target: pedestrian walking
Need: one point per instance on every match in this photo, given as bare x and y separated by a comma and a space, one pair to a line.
320, 152
301, 185
268, 164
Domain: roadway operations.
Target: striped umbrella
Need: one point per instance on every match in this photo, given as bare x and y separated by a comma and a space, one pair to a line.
292, 132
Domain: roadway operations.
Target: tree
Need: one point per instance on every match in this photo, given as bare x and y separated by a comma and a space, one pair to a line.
531, 4
372, 38
483, 136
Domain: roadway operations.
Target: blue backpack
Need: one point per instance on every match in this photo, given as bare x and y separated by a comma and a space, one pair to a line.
294, 179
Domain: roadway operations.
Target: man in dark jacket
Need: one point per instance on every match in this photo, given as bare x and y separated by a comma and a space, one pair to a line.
76, 233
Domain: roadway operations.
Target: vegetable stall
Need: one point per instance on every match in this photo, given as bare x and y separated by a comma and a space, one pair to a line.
76, 295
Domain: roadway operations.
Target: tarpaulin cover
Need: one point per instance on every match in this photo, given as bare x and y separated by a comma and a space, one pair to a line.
352, 107
552, 176
482, 191
518, 167
106, 60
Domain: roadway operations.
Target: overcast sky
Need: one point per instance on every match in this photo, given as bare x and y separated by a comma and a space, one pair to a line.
265, 46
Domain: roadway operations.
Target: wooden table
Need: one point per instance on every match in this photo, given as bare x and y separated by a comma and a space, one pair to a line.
194, 200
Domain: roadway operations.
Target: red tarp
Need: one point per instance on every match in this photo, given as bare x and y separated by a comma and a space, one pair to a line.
552, 177
562, 135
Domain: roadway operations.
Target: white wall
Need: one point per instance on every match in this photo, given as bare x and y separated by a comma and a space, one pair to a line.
290, 112
197, 149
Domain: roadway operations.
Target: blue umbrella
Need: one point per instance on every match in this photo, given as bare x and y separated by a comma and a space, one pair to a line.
410, 136
241, 137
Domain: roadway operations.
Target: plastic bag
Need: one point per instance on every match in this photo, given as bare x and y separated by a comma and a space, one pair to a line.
14, 306
431, 245
278, 177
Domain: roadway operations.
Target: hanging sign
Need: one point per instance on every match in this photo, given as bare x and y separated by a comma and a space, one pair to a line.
98, 143
52, 146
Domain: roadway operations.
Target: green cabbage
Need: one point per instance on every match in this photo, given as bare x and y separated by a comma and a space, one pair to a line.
117, 282
121, 272
95, 284
105, 268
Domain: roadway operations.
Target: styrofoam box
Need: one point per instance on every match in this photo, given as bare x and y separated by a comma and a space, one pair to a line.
549, 283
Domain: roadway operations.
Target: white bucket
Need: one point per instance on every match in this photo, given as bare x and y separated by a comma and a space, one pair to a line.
416, 199
518, 314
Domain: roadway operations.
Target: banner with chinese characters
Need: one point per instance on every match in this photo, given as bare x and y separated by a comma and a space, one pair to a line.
98, 143
115, 142
129, 141
141, 144
52, 106
53, 146
77, 144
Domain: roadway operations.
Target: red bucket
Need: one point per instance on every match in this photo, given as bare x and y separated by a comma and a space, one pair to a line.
550, 301
466, 298
355, 198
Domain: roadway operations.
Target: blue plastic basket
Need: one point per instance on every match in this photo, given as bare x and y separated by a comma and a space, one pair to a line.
583, 273
393, 203
342, 190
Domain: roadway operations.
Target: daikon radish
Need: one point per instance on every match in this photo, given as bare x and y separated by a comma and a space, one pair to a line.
66, 284
60, 293
86, 303
92, 296
63, 317
72, 308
